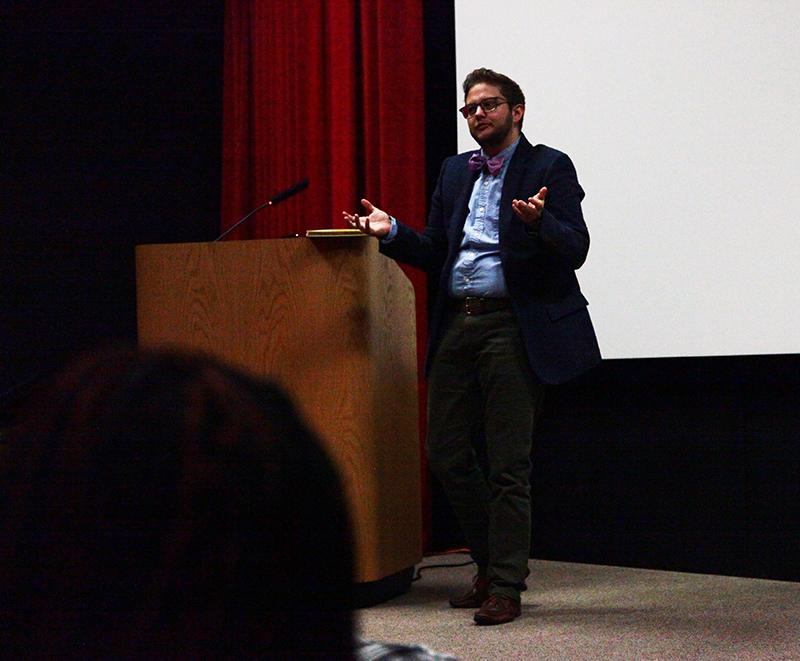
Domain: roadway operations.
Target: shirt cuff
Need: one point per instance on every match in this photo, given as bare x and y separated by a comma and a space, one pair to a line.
392, 231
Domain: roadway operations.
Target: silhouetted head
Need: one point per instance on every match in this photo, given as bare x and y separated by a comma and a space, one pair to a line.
162, 504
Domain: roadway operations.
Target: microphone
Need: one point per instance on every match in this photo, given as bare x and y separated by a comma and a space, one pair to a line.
280, 197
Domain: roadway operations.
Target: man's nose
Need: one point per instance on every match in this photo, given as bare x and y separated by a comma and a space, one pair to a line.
479, 111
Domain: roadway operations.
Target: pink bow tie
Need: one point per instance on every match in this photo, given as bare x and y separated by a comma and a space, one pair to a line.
493, 165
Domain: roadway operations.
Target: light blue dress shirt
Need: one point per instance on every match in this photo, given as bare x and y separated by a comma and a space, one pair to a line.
477, 270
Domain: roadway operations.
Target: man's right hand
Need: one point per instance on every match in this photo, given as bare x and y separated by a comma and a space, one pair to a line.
376, 223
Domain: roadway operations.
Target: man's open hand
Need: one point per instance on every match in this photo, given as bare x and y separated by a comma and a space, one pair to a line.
376, 223
530, 210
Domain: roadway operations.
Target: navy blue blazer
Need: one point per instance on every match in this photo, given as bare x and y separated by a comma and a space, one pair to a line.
539, 267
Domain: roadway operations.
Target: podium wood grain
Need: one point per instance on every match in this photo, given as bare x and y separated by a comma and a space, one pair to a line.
332, 321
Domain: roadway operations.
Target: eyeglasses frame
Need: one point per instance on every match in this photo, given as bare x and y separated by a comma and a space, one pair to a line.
465, 110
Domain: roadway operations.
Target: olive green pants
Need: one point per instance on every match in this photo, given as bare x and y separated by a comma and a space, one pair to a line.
481, 380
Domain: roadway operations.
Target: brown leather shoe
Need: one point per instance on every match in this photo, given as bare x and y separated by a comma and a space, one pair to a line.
498, 610
477, 594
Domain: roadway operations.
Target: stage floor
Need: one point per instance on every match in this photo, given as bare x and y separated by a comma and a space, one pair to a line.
582, 612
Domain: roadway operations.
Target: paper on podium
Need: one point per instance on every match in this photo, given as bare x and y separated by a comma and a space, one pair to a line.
314, 234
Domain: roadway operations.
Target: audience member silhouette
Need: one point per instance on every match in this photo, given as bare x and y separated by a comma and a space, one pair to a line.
156, 505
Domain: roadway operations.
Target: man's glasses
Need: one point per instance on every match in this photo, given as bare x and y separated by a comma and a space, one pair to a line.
487, 105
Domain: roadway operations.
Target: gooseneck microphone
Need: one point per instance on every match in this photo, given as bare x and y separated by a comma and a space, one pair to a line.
280, 197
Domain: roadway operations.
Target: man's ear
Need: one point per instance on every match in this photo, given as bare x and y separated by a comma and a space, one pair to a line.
518, 112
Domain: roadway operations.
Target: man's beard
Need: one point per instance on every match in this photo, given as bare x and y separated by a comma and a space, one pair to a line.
497, 135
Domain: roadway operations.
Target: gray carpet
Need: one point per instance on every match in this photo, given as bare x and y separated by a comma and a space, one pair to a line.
575, 612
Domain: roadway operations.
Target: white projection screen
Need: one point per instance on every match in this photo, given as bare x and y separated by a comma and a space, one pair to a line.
683, 121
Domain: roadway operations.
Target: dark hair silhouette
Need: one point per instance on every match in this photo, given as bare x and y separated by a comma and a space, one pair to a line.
158, 504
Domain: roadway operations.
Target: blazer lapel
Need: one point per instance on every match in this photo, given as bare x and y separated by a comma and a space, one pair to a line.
513, 182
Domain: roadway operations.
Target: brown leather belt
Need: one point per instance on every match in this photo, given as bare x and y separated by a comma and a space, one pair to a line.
473, 305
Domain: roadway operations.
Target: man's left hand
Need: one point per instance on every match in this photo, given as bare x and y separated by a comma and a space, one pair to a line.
530, 210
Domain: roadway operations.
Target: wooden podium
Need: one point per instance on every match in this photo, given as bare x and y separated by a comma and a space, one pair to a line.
332, 321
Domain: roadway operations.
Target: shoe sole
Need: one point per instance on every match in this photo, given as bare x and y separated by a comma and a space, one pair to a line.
486, 622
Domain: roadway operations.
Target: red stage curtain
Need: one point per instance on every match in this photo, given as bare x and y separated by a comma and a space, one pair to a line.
332, 92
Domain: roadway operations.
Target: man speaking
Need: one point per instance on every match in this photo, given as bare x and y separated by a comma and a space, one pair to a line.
504, 238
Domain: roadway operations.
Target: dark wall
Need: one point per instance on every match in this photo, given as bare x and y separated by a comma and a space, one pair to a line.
111, 138
689, 464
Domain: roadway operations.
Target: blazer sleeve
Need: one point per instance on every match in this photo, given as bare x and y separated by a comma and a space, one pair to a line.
562, 228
